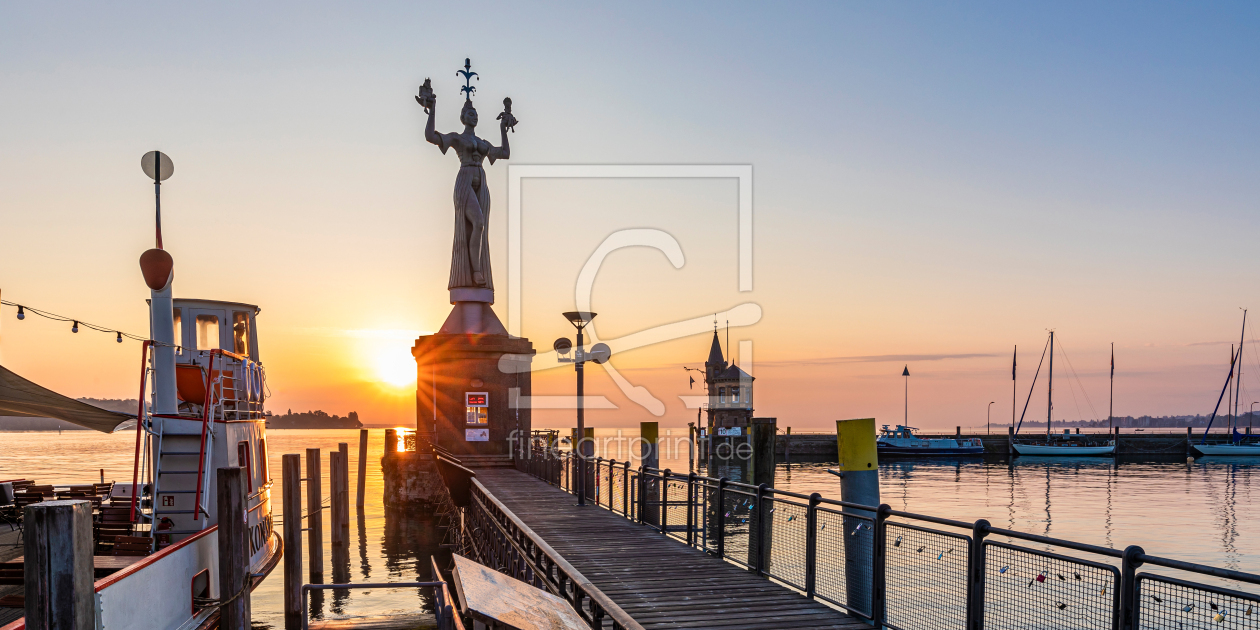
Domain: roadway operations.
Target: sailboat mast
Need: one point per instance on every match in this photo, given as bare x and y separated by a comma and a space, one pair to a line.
1050, 387
1242, 337
1111, 403
1229, 411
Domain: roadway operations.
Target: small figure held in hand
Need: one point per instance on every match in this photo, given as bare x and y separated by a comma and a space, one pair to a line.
509, 121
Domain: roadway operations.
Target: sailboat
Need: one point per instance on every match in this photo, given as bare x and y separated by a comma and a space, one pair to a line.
1235, 445
1066, 445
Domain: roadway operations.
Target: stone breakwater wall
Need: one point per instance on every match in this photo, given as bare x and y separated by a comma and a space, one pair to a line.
822, 447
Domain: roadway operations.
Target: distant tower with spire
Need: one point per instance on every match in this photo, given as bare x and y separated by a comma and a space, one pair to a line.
730, 392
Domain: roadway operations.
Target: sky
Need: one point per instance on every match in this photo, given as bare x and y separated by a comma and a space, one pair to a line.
931, 186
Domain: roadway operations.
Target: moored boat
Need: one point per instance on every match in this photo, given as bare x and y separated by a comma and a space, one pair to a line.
902, 442
202, 390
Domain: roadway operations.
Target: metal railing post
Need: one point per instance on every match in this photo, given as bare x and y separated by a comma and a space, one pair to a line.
691, 508
975, 583
642, 495
625, 490
760, 533
811, 544
879, 561
664, 497
612, 464
1129, 563
721, 518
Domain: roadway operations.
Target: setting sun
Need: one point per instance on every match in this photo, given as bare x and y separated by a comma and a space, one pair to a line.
396, 366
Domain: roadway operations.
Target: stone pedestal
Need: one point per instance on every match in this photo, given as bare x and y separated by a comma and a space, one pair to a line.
472, 356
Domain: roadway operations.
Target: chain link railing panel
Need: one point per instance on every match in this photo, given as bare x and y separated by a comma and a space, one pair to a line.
1170, 603
925, 578
1026, 589
845, 559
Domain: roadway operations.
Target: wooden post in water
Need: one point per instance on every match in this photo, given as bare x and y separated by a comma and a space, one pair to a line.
859, 461
363, 439
344, 493
787, 446
336, 462
291, 484
762, 433
649, 456
57, 569
233, 550
314, 515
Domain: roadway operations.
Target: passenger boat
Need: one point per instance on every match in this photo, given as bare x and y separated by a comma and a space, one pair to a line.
204, 412
902, 442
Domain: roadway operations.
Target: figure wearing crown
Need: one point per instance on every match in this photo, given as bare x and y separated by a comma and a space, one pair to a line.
470, 256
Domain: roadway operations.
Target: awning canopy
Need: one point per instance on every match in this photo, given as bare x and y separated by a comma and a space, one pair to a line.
20, 397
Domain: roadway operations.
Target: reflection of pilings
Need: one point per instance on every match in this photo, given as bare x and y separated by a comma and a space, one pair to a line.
365, 567
340, 575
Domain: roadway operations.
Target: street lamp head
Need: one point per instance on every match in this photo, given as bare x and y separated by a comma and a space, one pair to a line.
579, 319
600, 352
562, 345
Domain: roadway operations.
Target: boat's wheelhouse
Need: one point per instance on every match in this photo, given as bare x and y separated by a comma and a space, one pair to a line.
221, 387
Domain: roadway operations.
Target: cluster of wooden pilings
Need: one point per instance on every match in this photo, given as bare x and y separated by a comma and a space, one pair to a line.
293, 516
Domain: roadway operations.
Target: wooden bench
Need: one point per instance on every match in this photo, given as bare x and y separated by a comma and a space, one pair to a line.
132, 545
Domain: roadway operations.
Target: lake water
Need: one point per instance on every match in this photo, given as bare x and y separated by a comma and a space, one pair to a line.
1200, 512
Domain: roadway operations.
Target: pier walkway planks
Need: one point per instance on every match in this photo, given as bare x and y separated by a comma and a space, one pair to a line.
661, 582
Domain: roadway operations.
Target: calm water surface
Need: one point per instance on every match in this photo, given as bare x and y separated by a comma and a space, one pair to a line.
1201, 512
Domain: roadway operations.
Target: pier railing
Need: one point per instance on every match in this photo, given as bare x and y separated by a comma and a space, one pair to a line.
501, 540
910, 571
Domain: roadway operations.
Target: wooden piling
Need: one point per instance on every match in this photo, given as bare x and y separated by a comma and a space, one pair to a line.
291, 484
649, 457
787, 446
336, 468
314, 516
363, 440
762, 434
343, 493
233, 550
57, 569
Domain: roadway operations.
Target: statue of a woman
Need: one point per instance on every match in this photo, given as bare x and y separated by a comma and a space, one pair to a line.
470, 258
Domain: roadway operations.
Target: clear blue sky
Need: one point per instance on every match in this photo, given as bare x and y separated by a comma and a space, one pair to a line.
930, 180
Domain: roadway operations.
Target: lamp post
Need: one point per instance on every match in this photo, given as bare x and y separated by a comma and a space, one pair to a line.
987, 412
598, 353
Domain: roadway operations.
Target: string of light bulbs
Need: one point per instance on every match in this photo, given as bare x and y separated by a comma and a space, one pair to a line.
22, 310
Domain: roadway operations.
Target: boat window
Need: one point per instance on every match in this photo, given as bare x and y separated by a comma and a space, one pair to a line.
264, 473
242, 460
179, 327
207, 332
240, 333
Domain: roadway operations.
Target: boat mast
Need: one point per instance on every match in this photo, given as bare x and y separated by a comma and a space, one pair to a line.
1050, 387
1111, 403
1229, 411
1242, 336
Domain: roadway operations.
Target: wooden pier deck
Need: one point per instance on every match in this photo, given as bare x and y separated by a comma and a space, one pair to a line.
659, 581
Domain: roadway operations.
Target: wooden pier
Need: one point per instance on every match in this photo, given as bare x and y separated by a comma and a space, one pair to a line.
659, 581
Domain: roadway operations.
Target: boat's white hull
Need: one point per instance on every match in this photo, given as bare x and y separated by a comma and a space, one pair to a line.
1228, 449
1045, 449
